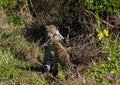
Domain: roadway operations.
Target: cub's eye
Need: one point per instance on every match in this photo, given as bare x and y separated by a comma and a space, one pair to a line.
54, 35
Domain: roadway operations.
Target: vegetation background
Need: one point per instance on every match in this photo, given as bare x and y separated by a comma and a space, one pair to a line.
92, 30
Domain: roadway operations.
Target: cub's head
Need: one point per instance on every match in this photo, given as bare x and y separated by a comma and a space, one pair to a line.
53, 33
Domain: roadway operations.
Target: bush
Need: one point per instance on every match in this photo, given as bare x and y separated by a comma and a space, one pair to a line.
103, 6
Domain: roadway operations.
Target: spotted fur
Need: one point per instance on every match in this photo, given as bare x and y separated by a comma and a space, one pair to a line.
56, 53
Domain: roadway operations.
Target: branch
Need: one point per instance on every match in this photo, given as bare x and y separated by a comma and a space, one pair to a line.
105, 22
44, 45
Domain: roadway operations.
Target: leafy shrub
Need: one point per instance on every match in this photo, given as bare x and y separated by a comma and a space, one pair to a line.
9, 3
101, 6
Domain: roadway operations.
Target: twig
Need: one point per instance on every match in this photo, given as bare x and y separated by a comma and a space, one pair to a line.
105, 22
44, 45
33, 8
108, 24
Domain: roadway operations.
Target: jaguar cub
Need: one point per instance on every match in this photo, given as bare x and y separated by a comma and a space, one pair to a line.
55, 52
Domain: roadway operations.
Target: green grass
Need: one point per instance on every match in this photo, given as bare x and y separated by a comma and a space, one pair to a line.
14, 71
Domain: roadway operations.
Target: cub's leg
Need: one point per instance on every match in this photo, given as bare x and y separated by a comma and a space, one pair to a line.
55, 66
